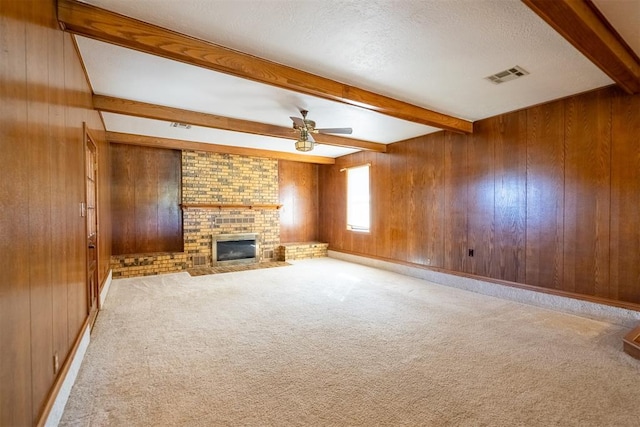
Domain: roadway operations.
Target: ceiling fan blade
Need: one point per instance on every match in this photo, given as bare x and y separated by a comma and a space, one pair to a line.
336, 130
298, 121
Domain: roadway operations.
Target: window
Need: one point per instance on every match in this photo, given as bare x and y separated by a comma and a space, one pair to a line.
358, 209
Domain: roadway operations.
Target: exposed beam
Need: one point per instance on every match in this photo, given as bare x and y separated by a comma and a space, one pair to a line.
100, 24
587, 30
152, 111
178, 144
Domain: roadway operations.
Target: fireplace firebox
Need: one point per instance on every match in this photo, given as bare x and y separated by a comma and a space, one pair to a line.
234, 248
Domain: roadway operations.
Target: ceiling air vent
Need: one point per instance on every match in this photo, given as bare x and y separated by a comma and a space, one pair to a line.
180, 125
506, 75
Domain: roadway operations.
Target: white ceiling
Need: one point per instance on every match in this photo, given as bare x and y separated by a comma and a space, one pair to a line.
434, 54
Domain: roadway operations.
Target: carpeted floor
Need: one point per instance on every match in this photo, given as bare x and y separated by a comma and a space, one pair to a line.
203, 271
328, 343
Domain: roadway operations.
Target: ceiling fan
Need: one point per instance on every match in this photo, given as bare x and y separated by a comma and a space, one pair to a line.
307, 127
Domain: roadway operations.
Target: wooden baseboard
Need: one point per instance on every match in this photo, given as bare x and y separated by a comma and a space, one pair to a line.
631, 343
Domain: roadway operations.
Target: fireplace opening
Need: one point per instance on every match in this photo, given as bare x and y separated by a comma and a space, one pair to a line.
234, 248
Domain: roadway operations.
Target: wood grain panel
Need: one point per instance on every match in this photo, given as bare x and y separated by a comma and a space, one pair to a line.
122, 199
455, 202
39, 196
510, 197
481, 196
104, 196
332, 215
399, 198
625, 199
15, 347
425, 214
381, 206
545, 195
78, 97
298, 194
433, 204
44, 100
587, 193
529, 191
413, 189
169, 166
146, 200
59, 304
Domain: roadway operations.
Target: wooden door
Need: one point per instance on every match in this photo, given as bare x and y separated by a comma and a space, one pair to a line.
91, 187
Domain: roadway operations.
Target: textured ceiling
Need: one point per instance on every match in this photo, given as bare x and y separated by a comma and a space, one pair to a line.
434, 54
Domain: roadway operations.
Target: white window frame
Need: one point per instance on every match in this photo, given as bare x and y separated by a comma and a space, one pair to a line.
359, 196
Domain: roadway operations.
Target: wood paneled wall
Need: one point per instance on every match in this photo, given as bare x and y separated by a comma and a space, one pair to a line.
44, 100
548, 196
298, 195
146, 194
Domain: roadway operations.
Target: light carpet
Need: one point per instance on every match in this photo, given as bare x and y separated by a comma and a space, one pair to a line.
329, 343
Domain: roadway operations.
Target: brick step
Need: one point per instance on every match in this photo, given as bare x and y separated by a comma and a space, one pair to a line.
301, 250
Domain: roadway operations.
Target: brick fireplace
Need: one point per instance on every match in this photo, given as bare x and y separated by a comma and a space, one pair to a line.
221, 194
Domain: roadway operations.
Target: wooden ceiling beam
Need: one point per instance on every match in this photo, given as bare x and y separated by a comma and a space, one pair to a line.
178, 144
100, 24
580, 22
158, 112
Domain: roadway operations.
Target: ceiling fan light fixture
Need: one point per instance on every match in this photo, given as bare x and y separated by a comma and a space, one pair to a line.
304, 145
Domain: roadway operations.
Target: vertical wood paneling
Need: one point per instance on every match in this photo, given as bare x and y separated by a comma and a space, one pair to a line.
510, 198
587, 193
326, 206
545, 195
169, 213
399, 196
298, 195
481, 196
425, 190
61, 340
146, 201
15, 347
44, 100
76, 91
414, 175
146, 185
122, 198
327, 202
433, 204
380, 205
455, 201
625, 198
39, 196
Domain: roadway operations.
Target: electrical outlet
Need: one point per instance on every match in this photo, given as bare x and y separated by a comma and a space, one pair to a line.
56, 363
470, 252
428, 261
